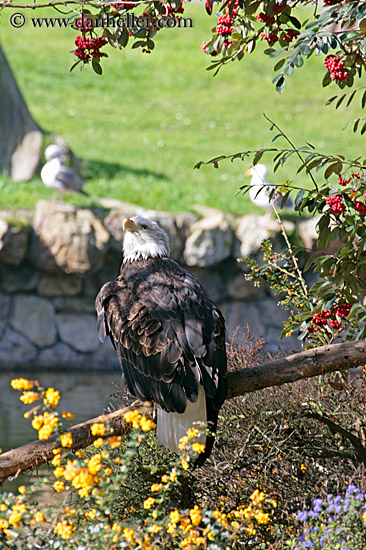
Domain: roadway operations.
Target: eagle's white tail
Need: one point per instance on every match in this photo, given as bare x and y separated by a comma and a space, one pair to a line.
171, 427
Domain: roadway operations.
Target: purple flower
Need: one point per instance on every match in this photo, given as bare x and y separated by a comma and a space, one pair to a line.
317, 502
330, 519
351, 489
306, 544
338, 509
346, 504
302, 515
313, 514
337, 499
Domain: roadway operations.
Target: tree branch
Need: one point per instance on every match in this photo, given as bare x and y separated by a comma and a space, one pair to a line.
294, 367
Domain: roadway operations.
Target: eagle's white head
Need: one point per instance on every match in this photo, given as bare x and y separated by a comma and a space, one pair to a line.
144, 239
53, 152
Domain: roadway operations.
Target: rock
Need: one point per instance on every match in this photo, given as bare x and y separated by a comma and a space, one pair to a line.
240, 289
4, 311
16, 350
251, 230
67, 239
77, 305
78, 330
18, 279
13, 242
308, 234
60, 356
240, 314
34, 318
59, 285
105, 357
210, 241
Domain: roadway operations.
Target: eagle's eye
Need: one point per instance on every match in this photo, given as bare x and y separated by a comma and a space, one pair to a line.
143, 226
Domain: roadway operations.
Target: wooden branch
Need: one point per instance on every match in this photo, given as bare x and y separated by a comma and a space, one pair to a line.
304, 364
18, 460
294, 367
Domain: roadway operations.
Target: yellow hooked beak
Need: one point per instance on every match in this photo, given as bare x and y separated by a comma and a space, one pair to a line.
129, 225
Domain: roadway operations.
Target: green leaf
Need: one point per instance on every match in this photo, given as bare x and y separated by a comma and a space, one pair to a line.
281, 85
298, 61
288, 70
97, 66
279, 64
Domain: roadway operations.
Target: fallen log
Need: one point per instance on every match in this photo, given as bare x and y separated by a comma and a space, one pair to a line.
292, 368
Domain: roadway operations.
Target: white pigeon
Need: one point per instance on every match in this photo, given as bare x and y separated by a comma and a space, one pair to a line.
260, 190
57, 176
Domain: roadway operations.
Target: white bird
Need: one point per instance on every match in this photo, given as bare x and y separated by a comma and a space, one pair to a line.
57, 176
260, 190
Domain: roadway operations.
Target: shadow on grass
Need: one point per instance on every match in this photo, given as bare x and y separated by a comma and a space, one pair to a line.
100, 169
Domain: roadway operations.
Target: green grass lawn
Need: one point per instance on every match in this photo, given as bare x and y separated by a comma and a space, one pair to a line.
143, 125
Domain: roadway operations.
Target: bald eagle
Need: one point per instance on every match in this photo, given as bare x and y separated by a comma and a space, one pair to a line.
168, 334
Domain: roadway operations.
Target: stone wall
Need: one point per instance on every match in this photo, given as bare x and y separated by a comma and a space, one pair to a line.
53, 262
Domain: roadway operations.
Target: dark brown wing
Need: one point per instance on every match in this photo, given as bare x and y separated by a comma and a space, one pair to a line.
168, 334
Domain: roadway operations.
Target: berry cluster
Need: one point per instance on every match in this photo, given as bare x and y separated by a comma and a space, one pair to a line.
83, 24
290, 35
264, 18
341, 181
335, 68
360, 207
278, 8
336, 204
225, 22
331, 2
89, 47
124, 5
330, 318
271, 38
170, 10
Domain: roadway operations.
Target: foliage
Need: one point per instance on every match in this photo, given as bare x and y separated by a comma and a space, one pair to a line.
276, 451
335, 522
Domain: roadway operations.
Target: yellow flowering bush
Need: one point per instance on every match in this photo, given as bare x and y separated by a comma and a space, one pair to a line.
90, 483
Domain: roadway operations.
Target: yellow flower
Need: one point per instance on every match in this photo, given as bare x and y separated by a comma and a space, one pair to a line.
173, 476
59, 486
21, 384
52, 397
108, 471
29, 397
165, 478
37, 518
56, 461
129, 534
66, 439
64, 529
20, 507
97, 429
155, 528
94, 465
27, 414
257, 497
66, 414
133, 417
14, 518
156, 487
364, 517
183, 442
91, 513
98, 442
4, 524
146, 424
148, 503
3, 507
196, 516
198, 448
184, 464
303, 468
59, 472
37, 422
22, 489
174, 516
114, 441
192, 433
